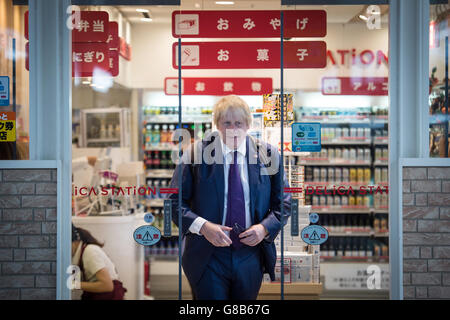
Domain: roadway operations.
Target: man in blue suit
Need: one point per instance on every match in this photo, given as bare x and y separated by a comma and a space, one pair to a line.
231, 207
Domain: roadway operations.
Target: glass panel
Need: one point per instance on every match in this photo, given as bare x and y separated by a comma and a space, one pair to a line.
14, 106
122, 126
348, 97
438, 100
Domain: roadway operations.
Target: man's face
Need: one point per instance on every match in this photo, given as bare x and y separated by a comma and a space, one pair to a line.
233, 128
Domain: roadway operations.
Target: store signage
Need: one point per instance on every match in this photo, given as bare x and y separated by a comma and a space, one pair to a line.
26, 24
248, 24
167, 217
114, 62
306, 137
376, 86
113, 36
294, 217
249, 55
354, 276
149, 218
4, 91
314, 234
353, 57
313, 217
92, 27
27, 56
124, 49
147, 235
7, 126
219, 86
87, 57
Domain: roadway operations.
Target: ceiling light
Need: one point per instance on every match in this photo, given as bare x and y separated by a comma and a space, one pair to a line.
146, 19
142, 10
225, 2
197, 5
363, 17
86, 82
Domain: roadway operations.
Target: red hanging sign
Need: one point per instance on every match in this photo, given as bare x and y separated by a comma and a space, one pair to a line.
249, 55
248, 24
113, 37
219, 86
124, 49
377, 86
92, 27
87, 57
26, 25
114, 62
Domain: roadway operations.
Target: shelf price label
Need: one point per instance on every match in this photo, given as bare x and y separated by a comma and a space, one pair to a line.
306, 137
294, 217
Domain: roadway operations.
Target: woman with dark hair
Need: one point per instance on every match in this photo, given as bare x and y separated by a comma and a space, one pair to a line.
101, 281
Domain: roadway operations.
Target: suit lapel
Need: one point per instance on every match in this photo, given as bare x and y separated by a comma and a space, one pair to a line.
219, 179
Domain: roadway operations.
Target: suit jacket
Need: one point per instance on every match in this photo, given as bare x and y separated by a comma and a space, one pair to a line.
202, 189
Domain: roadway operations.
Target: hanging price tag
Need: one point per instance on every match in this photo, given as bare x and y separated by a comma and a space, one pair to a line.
167, 218
294, 217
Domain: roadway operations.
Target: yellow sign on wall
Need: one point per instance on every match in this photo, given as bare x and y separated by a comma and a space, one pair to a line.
7, 126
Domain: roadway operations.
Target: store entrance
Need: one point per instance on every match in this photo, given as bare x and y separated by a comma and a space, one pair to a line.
316, 70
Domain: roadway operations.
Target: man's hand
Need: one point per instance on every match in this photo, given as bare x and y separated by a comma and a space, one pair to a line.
253, 235
214, 234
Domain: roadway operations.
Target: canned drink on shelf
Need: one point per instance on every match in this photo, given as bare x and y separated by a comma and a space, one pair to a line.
324, 153
337, 200
376, 200
315, 200
353, 175
377, 177
331, 174
316, 174
384, 200
345, 175
385, 153
338, 174
360, 174
323, 200
367, 154
360, 154
359, 201
338, 153
367, 133
323, 174
367, 175
352, 154
331, 154
367, 201
378, 154
384, 175
330, 200
345, 154
353, 132
351, 200
338, 133
345, 133
344, 200
361, 132
322, 134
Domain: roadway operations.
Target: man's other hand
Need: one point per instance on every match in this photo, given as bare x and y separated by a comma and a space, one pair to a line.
253, 235
214, 233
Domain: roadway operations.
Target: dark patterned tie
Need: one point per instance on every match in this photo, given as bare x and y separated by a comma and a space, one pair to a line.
235, 201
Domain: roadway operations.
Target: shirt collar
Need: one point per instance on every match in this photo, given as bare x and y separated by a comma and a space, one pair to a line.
242, 149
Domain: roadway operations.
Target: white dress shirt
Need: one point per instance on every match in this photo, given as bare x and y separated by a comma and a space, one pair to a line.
243, 171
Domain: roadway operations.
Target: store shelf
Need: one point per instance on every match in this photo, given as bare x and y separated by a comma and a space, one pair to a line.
155, 202
337, 184
104, 140
350, 141
381, 163
328, 259
292, 291
338, 119
382, 211
380, 141
160, 173
145, 297
359, 234
316, 162
161, 148
173, 118
341, 209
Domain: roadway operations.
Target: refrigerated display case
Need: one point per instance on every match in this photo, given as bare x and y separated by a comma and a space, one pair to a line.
105, 127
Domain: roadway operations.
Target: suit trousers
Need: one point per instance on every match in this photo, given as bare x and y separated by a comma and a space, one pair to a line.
231, 274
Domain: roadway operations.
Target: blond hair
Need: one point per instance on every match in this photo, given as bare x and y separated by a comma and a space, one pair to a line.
231, 102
